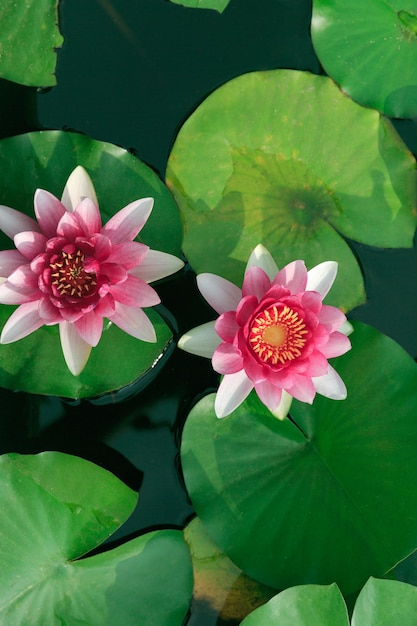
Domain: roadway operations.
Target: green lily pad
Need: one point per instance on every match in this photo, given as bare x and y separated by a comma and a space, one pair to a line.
29, 40
380, 603
306, 605
320, 498
45, 159
283, 158
56, 507
370, 49
217, 5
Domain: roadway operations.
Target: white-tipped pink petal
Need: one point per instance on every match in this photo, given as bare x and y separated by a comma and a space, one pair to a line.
30, 243
89, 217
321, 277
76, 351
256, 283
330, 385
135, 292
134, 322
261, 257
78, 187
90, 327
233, 390
10, 260
293, 276
157, 265
221, 294
226, 359
201, 341
284, 406
336, 345
22, 322
128, 222
13, 222
49, 210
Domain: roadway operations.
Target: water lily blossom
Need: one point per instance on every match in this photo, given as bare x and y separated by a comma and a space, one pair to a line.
274, 335
69, 269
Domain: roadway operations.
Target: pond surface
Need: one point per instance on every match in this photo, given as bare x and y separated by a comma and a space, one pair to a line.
130, 73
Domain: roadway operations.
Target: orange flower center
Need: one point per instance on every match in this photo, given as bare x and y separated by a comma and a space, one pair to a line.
70, 277
277, 335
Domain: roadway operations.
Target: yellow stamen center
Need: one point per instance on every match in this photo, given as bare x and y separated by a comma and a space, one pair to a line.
277, 335
69, 276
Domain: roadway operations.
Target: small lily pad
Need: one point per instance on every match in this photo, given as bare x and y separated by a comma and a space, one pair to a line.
283, 158
370, 49
29, 40
217, 5
320, 497
55, 508
44, 160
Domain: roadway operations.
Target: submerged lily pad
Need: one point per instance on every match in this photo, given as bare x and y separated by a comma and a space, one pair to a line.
283, 158
319, 498
370, 49
57, 507
45, 160
29, 40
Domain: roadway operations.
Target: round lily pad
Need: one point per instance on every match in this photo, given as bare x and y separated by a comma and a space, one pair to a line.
45, 160
217, 5
283, 158
56, 508
29, 40
370, 49
320, 497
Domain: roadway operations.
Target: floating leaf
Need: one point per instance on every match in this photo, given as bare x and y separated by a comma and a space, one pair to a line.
306, 605
57, 507
370, 49
217, 5
380, 603
45, 159
283, 158
322, 498
29, 39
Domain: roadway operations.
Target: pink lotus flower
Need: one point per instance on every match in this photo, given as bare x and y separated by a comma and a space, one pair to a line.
274, 335
70, 270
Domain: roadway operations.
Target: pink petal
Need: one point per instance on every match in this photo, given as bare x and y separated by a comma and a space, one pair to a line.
69, 227
90, 327
78, 187
337, 344
48, 312
24, 279
293, 276
10, 260
233, 390
330, 385
114, 273
76, 350
157, 265
134, 322
135, 292
256, 283
302, 388
246, 308
269, 395
221, 294
22, 322
88, 217
105, 306
226, 326
9, 294
127, 223
129, 254
263, 259
30, 243
13, 222
331, 317
49, 210
202, 340
226, 359
102, 247
321, 277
